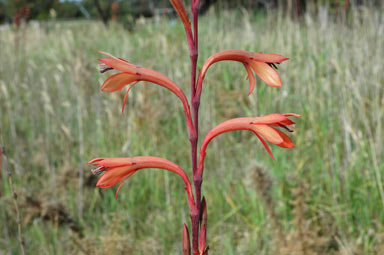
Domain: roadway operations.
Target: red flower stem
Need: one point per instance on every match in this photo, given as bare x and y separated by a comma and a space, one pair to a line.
195, 216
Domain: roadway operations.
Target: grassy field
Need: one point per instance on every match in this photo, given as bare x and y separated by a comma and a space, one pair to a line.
323, 197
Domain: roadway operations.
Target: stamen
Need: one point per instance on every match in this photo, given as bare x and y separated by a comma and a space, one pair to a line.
104, 68
273, 65
98, 171
288, 128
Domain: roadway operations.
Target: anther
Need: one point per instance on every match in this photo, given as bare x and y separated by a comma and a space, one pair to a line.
98, 171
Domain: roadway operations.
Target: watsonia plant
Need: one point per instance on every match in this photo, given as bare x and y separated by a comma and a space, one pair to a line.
117, 170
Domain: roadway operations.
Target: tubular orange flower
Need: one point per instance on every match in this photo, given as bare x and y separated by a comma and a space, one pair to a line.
131, 74
262, 64
263, 127
120, 169
179, 7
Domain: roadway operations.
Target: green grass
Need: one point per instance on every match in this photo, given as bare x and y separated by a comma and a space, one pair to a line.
54, 119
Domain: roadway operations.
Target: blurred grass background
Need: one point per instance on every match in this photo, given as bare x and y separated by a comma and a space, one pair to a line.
323, 197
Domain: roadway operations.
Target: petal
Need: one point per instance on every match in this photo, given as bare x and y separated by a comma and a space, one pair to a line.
289, 122
265, 145
118, 63
95, 160
126, 96
292, 114
117, 81
287, 142
266, 73
122, 181
268, 57
115, 162
251, 77
113, 176
269, 119
268, 133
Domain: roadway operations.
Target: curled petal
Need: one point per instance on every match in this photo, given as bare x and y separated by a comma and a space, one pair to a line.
251, 78
268, 133
266, 146
117, 81
287, 142
118, 63
121, 183
266, 73
292, 114
112, 162
268, 57
270, 119
113, 176
95, 160
126, 96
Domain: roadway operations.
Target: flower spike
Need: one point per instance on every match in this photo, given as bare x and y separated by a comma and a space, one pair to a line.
262, 64
117, 170
132, 74
263, 127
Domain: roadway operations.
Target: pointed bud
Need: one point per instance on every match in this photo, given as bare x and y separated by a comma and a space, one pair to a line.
203, 227
186, 241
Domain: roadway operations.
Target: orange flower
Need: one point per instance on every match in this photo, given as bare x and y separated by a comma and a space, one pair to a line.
179, 7
263, 127
262, 64
120, 169
131, 74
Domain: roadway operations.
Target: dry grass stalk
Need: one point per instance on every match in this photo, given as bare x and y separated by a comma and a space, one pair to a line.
18, 216
263, 186
308, 238
1, 165
48, 210
112, 242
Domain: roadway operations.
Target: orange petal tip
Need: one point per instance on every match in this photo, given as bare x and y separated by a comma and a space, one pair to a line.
95, 160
